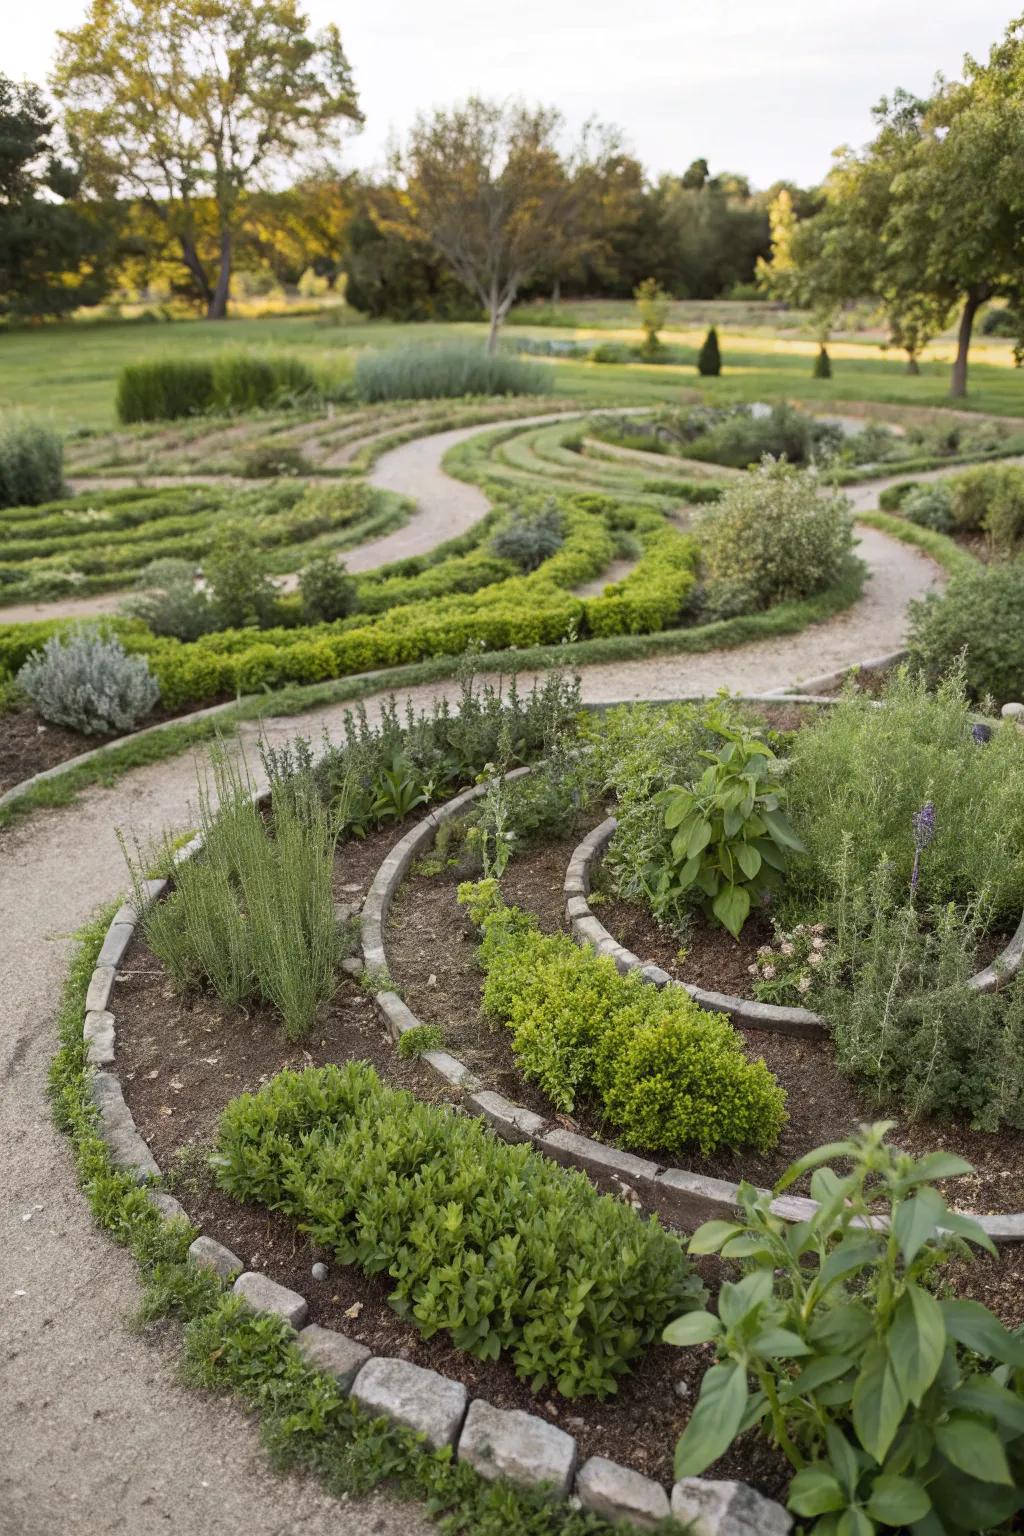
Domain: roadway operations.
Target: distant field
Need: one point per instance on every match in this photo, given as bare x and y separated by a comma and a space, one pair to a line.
68, 373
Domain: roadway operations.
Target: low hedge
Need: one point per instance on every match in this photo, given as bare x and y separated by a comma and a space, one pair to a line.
166, 389
489, 1242
664, 1072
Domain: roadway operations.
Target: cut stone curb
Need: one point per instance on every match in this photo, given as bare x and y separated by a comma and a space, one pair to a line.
506, 1442
207, 1253
265, 1295
617, 1493
712, 1508
333, 1353
99, 1039
408, 1394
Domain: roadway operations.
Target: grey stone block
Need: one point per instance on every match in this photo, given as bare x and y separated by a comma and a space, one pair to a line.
333, 1353
118, 937
109, 1100
451, 1069
607, 1165
397, 1014
422, 1400
126, 915
101, 984
575, 906
129, 1153
207, 1253
169, 1208
98, 1034
511, 1121
264, 1295
655, 976
616, 1493
727, 1509
1012, 711
686, 1199
519, 1446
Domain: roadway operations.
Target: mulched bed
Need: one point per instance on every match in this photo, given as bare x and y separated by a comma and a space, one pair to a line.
180, 1061
28, 745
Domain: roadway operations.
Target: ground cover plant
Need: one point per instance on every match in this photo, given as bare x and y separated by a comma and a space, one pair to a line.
734, 436
667, 1074
897, 1406
986, 500
486, 1240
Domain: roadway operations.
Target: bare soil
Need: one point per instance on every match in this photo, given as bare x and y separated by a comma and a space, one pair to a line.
28, 745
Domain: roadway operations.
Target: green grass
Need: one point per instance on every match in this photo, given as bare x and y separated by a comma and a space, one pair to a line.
68, 372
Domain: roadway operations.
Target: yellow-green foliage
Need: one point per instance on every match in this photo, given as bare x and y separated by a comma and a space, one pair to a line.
665, 1073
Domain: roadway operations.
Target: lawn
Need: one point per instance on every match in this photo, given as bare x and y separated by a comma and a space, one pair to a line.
68, 372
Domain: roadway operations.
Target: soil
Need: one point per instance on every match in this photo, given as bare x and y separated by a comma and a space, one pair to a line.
28, 745
182, 1058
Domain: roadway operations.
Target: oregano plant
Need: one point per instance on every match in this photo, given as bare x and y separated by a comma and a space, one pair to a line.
896, 1405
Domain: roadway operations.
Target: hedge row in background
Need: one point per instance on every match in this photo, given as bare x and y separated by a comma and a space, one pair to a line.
458, 368
167, 390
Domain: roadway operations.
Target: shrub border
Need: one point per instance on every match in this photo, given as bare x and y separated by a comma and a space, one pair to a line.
678, 1195
494, 1442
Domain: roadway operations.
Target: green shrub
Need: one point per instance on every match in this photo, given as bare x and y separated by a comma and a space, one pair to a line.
431, 372
929, 506
249, 381
271, 461
894, 1408
164, 390
775, 535
85, 680
990, 499
328, 591
31, 462
666, 1074
1002, 322
243, 593
822, 365
978, 617
530, 539
609, 352
870, 769
253, 916
489, 1242
893, 497
653, 305
170, 603
415, 1042
709, 359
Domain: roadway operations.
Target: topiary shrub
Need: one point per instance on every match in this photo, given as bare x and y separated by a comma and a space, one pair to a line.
930, 506
528, 539
169, 603
328, 591
979, 615
86, 680
709, 359
31, 463
776, 534
164, 390
822, 365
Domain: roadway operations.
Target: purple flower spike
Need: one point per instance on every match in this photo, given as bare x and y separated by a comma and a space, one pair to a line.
981, 733
924, 831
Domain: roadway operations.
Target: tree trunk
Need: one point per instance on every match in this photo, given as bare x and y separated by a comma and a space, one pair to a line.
190, 256
217, 309
495, 312
913, 366
972, 303
556, 291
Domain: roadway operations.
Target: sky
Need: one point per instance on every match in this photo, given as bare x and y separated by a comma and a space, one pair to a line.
766, 89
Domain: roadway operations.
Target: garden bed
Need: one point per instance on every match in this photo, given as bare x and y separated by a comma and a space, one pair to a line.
28, 746
182, 1059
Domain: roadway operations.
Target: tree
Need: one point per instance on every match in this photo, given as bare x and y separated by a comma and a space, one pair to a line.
488, 187
55, 249
183, 100
652, 302
709, 358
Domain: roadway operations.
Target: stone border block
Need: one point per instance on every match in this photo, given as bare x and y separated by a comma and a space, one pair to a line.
98, 1034
207, 1253
527, 1450
617, 1493
451, 1069
101, 985
118, 937
717, 1508
262, 1294
407, 1394
607, 1166
511, 1121
333, 1353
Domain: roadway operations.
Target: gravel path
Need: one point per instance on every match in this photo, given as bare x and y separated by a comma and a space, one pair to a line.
96, 1435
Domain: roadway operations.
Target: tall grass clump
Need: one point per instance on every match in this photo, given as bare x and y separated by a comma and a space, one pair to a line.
164, 390
249, 381
432, 372
31, 463
252, 916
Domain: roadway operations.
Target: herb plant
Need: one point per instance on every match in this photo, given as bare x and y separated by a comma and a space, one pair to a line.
896, 1408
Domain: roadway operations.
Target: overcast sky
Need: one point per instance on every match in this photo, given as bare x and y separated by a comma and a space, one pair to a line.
766, 89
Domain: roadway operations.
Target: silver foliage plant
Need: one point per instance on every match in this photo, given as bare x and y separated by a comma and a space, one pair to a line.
86, 680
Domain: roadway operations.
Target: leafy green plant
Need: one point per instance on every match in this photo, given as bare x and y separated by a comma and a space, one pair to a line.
397, 791
791, 969
86, 680
490, 1242
164, 390
663, 1072
930, 506
269, 460
653, 304
243, 593
415, 1042
169, 603
328, 591
730, 836
976, 617
895, 1408
31, 462
530, 539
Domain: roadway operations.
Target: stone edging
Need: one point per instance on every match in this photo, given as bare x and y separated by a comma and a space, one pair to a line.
498, 1443
680, 1197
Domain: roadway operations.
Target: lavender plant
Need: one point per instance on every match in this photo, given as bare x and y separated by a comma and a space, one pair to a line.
87, 681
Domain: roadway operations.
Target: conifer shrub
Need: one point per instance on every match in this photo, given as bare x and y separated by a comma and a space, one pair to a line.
709, 359
822, 365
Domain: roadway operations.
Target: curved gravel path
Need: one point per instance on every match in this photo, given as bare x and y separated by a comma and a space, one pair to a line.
96, 1435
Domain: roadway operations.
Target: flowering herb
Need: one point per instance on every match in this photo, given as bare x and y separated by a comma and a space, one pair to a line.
787, 971
981, 733
924, 830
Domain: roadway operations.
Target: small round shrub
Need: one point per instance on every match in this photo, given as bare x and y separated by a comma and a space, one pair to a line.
1002, 322
609, 352
776, 534
530, 539
929, 506
169, 603
31, 463
328, 591
243, 593
85, 680
979, 615
272, 461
